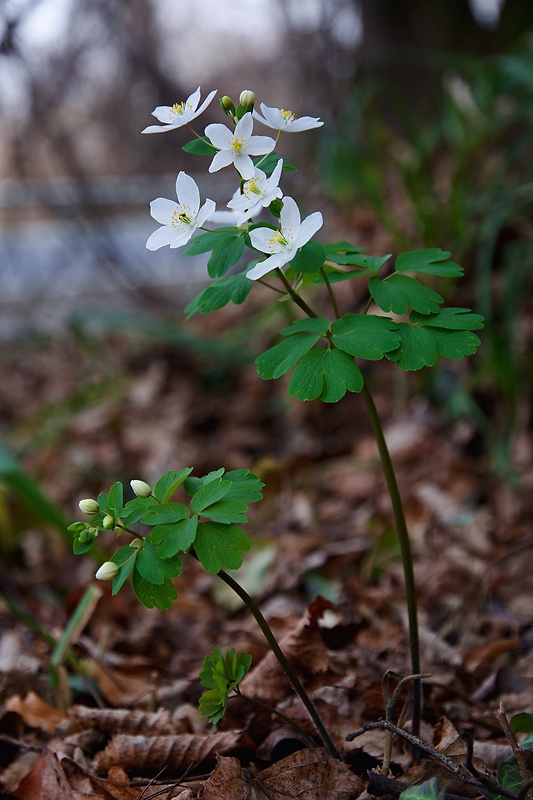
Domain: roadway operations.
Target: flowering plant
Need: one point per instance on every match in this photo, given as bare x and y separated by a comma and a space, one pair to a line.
323, 352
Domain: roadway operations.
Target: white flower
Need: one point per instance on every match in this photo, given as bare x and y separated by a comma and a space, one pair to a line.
180, 113
257, 193
236, 147
89, 506
107, 571
179, 220
283, 244
286, 121
141, 488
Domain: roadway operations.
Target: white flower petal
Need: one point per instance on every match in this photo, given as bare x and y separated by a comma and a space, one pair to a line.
158, 128
260, 145
220, 135
206, 103
303, 124
308, 228
243, 164
244, 127
270, 263
261, 239
193, 100
188, 192
160, 238
290, 215
162, 210
221, 159
205, 213
182, 237
162, 113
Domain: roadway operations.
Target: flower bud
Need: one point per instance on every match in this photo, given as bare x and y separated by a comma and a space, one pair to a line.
89, 506
247, 100
108, 522
228, 106
107, 571
141, 489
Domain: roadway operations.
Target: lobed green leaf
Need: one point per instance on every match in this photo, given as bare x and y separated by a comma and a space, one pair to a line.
165, 513
209, 494
169, 482
327, 374
209, 240
225, 255
417, 348
398, 293
461, 319
176, 538
309, 258
236, 289
137, 508
283, 356
153, 595
218, 546
365, 335
227, 511
432, 261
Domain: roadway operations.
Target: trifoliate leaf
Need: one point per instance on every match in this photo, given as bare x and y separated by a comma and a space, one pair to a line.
176, 538
365, 335
236, 289
327, 374
245, 486
200, 147
218, 546
169, 482
208, 241
398, 293
433, 261
165, 513
309, 258
460, 319
225, 255
283, 356
417, 348
209, 494
153, 595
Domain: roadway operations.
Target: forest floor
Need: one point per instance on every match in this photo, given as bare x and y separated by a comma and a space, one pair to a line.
118, 718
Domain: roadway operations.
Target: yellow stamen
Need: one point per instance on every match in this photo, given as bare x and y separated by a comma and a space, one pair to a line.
288, 116
180, 218
179, 108
238, 143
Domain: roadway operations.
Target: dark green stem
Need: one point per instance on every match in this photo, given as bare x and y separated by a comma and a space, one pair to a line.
407, 556
295, 296
278, 652
332, 297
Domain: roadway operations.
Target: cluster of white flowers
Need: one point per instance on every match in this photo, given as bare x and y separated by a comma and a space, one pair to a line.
257, 190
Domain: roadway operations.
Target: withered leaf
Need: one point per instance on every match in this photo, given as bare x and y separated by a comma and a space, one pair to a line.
175, 752
118, 720
308, 773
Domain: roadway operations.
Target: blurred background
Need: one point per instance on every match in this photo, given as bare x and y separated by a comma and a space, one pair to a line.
427, 142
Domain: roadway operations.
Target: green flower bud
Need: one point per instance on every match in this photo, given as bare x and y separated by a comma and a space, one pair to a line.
77, 527
247, 100
141, 489
107, 571
84, 536
108, 522
89, 506
228, 106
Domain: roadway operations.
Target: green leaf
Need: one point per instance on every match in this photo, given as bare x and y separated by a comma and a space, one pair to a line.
283, 356
236, 289
79, 548
428, 790
245, 486
417, 348
125, 559
225, 255
400, 292
209, 241
218, 546
209, 494
193, 485
365, 335
337, 275
227, 511
315, 325
268, 164
341, 248
327, 374
165, 513
200, 147
136, 508
522, 723
149, 563
433, 261
309, 258
454, 344
176, 538
461, 319
212, 704
169, 482
369, 265
153, 595
115, 500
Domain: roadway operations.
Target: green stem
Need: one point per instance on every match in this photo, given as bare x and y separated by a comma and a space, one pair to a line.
332, 297
407, 556
276, 649
295, 296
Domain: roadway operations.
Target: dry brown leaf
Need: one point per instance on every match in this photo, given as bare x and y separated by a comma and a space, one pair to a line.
304, 648
118, 720
47, 781
174, 752
35, 712
310, 774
